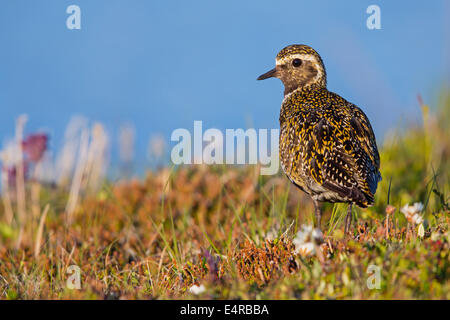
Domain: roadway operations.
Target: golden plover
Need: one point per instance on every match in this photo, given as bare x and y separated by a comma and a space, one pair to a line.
327, 145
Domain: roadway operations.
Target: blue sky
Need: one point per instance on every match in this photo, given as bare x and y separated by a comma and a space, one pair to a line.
163, 64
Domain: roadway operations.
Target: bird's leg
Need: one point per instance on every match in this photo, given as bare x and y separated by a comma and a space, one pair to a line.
348, 218
317, 212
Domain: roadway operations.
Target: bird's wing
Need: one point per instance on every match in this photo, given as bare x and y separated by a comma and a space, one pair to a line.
364, 133
356, 150
344, 155
370, 164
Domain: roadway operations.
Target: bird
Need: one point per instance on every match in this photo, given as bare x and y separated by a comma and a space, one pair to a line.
327, 147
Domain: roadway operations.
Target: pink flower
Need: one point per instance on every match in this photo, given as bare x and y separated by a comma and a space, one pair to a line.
34, 146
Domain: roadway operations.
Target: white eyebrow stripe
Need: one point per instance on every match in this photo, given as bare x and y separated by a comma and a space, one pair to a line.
306, 57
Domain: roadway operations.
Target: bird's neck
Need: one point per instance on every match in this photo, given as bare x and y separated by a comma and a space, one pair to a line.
288, 90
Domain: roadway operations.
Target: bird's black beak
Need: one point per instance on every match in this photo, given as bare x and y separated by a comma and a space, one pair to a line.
269, 74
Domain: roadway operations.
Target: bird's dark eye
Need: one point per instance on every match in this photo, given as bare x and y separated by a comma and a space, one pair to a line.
296, 62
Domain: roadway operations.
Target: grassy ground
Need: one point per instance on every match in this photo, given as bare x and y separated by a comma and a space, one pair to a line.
230, 233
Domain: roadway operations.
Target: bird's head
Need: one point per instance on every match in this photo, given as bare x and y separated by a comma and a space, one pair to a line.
298, 66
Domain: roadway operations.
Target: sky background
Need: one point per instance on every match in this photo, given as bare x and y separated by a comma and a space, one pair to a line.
160, 65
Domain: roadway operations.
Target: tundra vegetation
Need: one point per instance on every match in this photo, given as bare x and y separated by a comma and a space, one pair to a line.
220, 232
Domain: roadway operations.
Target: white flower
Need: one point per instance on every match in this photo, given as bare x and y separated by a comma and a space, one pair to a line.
418, 219
421, 231
197, 289
305, 249
306, 240
412, 213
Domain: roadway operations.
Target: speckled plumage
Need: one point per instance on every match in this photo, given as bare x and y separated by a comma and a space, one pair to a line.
327, 145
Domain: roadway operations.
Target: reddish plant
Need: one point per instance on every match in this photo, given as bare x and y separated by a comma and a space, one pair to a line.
34, 146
